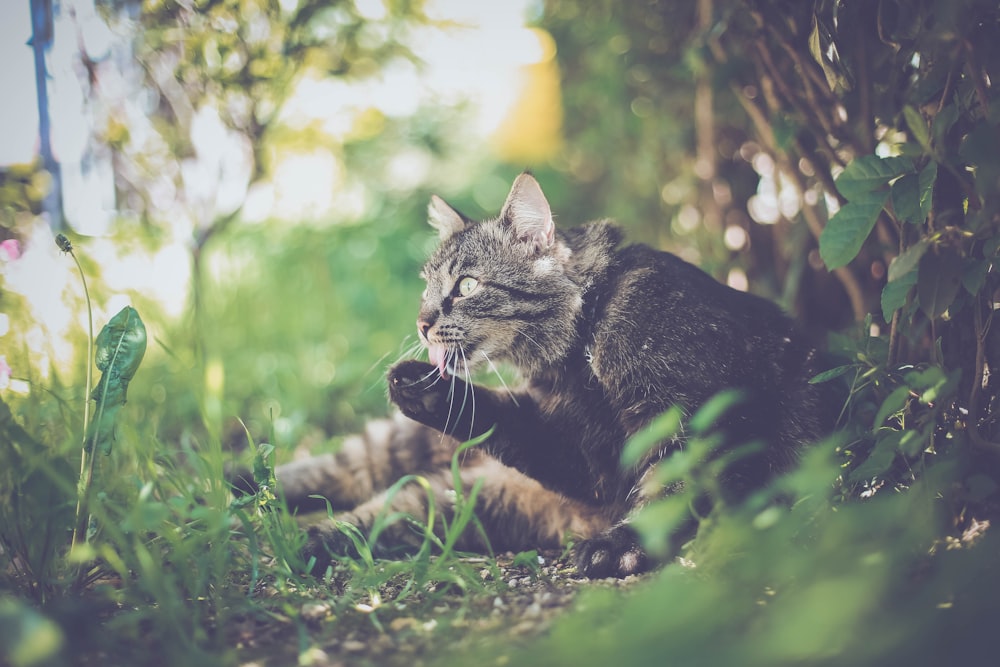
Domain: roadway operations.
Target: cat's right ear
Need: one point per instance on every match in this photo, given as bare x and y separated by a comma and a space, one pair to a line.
444, 218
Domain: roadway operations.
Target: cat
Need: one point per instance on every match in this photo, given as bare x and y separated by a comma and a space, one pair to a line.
605, 338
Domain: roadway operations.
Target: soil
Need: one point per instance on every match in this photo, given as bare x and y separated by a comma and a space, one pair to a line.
422, 630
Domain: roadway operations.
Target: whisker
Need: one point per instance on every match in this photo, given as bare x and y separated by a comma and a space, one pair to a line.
472, 390
451, 392
537, 344
500, 377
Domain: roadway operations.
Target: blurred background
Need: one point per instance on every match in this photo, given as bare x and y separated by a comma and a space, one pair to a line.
252, 175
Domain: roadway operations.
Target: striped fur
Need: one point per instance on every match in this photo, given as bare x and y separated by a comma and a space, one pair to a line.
604, 338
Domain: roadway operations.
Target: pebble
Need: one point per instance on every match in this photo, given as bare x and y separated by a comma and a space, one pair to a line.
353, 646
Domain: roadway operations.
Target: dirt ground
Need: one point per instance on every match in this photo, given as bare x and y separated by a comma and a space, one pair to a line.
419, 632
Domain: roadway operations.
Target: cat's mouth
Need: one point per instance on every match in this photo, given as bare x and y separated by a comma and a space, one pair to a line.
446, 359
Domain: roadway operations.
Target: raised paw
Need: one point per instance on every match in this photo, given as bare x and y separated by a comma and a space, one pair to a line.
616, 553
420, 392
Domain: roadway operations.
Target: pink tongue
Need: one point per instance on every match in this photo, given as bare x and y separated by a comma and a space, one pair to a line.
438, 355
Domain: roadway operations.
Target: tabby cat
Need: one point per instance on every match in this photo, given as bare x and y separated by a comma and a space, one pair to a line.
605, 339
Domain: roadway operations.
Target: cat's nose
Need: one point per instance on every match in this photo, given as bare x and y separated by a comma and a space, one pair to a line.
423, 327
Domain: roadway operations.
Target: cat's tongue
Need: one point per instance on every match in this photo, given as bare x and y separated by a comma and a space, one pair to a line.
439, 357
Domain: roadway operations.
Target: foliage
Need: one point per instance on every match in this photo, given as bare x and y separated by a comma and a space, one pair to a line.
854, 144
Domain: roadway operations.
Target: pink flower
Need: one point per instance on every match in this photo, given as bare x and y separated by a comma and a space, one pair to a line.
10, 250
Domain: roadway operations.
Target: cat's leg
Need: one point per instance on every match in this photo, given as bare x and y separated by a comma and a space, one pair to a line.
365, 464
451, 406
516, 513
522, 438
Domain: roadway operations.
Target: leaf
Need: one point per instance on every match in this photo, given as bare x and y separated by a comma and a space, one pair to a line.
895, 292
880, 458
865, 178
939, 279
892, 404
120, 348
845, 233
816, 50
905, 194
831, 374
908, 261
918, 127
974, 276
709, 414
925, 180
943, 122
864, 183
662, 427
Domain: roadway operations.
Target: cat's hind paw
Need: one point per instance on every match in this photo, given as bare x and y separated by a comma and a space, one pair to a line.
616, 553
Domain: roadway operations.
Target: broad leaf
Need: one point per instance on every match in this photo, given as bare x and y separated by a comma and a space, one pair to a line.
895, 292
905, 193
925, 180
908, 261
939, 280
864, 183
918, 127
865, 178
846, 232
880, 459
120, 348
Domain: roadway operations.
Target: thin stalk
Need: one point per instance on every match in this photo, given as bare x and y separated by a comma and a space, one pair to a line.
86, 461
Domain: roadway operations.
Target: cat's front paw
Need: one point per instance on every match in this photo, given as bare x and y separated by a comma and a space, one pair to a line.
420, 393
616, 553
324, 542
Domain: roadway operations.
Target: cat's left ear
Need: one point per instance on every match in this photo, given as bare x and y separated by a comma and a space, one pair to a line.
444, 218
528, 212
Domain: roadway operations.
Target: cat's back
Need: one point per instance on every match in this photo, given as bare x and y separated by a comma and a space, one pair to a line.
666, 332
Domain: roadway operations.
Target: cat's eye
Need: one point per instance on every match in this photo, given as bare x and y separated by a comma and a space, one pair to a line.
467, 285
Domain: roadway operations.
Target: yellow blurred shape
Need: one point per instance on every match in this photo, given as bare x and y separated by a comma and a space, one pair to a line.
532, 130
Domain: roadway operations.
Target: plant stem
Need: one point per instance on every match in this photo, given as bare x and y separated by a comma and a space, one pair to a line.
86, 461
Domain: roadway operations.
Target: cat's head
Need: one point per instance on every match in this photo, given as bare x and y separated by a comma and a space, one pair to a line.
498, 290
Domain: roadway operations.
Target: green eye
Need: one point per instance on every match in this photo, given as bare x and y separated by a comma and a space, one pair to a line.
466, 285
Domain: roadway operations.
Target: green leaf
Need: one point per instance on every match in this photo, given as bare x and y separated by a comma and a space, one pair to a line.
865, 178
709, 414
864, 182
918, 127
892, 404
831, 374
120, 348
974, 276
664, 426
908, 261
894, 294
925, 180
846, 232
905, 194
943, 122
880, 458
940, 277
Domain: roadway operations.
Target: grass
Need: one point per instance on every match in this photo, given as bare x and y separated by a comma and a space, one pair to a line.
177, 572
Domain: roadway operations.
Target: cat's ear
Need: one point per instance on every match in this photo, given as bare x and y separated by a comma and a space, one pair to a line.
528, 212
444, 218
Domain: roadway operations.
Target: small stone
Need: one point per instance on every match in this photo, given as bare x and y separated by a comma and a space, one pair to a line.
402, 623
353, 646
315, 611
